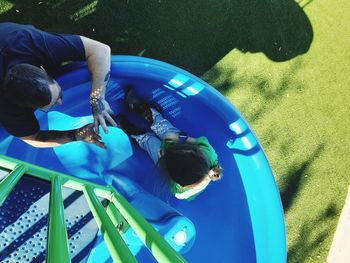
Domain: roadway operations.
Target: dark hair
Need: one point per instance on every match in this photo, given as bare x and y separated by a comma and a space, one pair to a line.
27, 86
184, 163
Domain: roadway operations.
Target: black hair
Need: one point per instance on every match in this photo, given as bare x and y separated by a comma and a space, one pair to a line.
27, 86
184, 163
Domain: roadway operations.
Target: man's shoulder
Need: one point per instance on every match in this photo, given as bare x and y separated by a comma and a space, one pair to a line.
15, 38
9, 28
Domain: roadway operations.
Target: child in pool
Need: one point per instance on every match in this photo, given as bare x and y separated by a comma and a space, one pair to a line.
190, 163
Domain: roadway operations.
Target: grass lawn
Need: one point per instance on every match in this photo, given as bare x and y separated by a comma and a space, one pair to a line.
284, 64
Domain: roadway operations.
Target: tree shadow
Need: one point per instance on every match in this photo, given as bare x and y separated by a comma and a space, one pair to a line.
295, 177
266, 93
194, 35
222, 80
308, 237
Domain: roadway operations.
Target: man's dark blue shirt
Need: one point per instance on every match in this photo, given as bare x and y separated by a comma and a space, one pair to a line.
27, 44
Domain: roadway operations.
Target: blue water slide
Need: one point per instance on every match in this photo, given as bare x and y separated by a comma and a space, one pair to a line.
237, 219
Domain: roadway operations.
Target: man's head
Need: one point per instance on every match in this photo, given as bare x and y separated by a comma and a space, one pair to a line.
29, 86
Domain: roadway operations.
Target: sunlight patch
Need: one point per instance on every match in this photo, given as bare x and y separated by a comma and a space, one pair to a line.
5, 7
85, 11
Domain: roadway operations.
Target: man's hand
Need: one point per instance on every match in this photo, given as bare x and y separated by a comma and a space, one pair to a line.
87, 134
101, 112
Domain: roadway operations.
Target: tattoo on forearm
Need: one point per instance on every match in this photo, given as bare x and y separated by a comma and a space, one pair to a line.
96, 105
49, 136
85, 133
71, 135
96, 102
107, 76
96, 93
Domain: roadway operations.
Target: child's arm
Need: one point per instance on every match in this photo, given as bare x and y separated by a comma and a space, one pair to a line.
174, 136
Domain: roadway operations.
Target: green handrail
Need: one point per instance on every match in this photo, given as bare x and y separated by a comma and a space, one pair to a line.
57, 241
115, 243
117, 218
160, 249
10, 182
57, 237
45, 174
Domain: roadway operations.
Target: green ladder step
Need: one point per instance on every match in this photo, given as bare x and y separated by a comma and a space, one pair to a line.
57, 245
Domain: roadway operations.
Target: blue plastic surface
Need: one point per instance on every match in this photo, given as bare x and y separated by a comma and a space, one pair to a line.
176, 229
237, 219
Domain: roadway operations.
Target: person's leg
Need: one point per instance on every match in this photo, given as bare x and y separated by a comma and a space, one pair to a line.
160, 126
150, 143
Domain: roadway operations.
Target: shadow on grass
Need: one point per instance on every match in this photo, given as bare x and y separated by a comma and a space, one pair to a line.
194, 35
310, 235
266, 93
294, 178
222, 80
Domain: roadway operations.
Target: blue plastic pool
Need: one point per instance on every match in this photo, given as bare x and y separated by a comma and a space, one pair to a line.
237, 219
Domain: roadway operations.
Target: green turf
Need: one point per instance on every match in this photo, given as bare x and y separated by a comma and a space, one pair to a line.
285, 65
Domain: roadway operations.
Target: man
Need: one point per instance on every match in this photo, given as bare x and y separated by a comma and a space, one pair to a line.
27, 57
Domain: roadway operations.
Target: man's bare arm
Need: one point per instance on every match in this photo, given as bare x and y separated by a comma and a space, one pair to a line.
44, 139
98, 56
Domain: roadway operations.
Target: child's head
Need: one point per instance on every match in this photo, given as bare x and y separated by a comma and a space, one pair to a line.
186, 165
